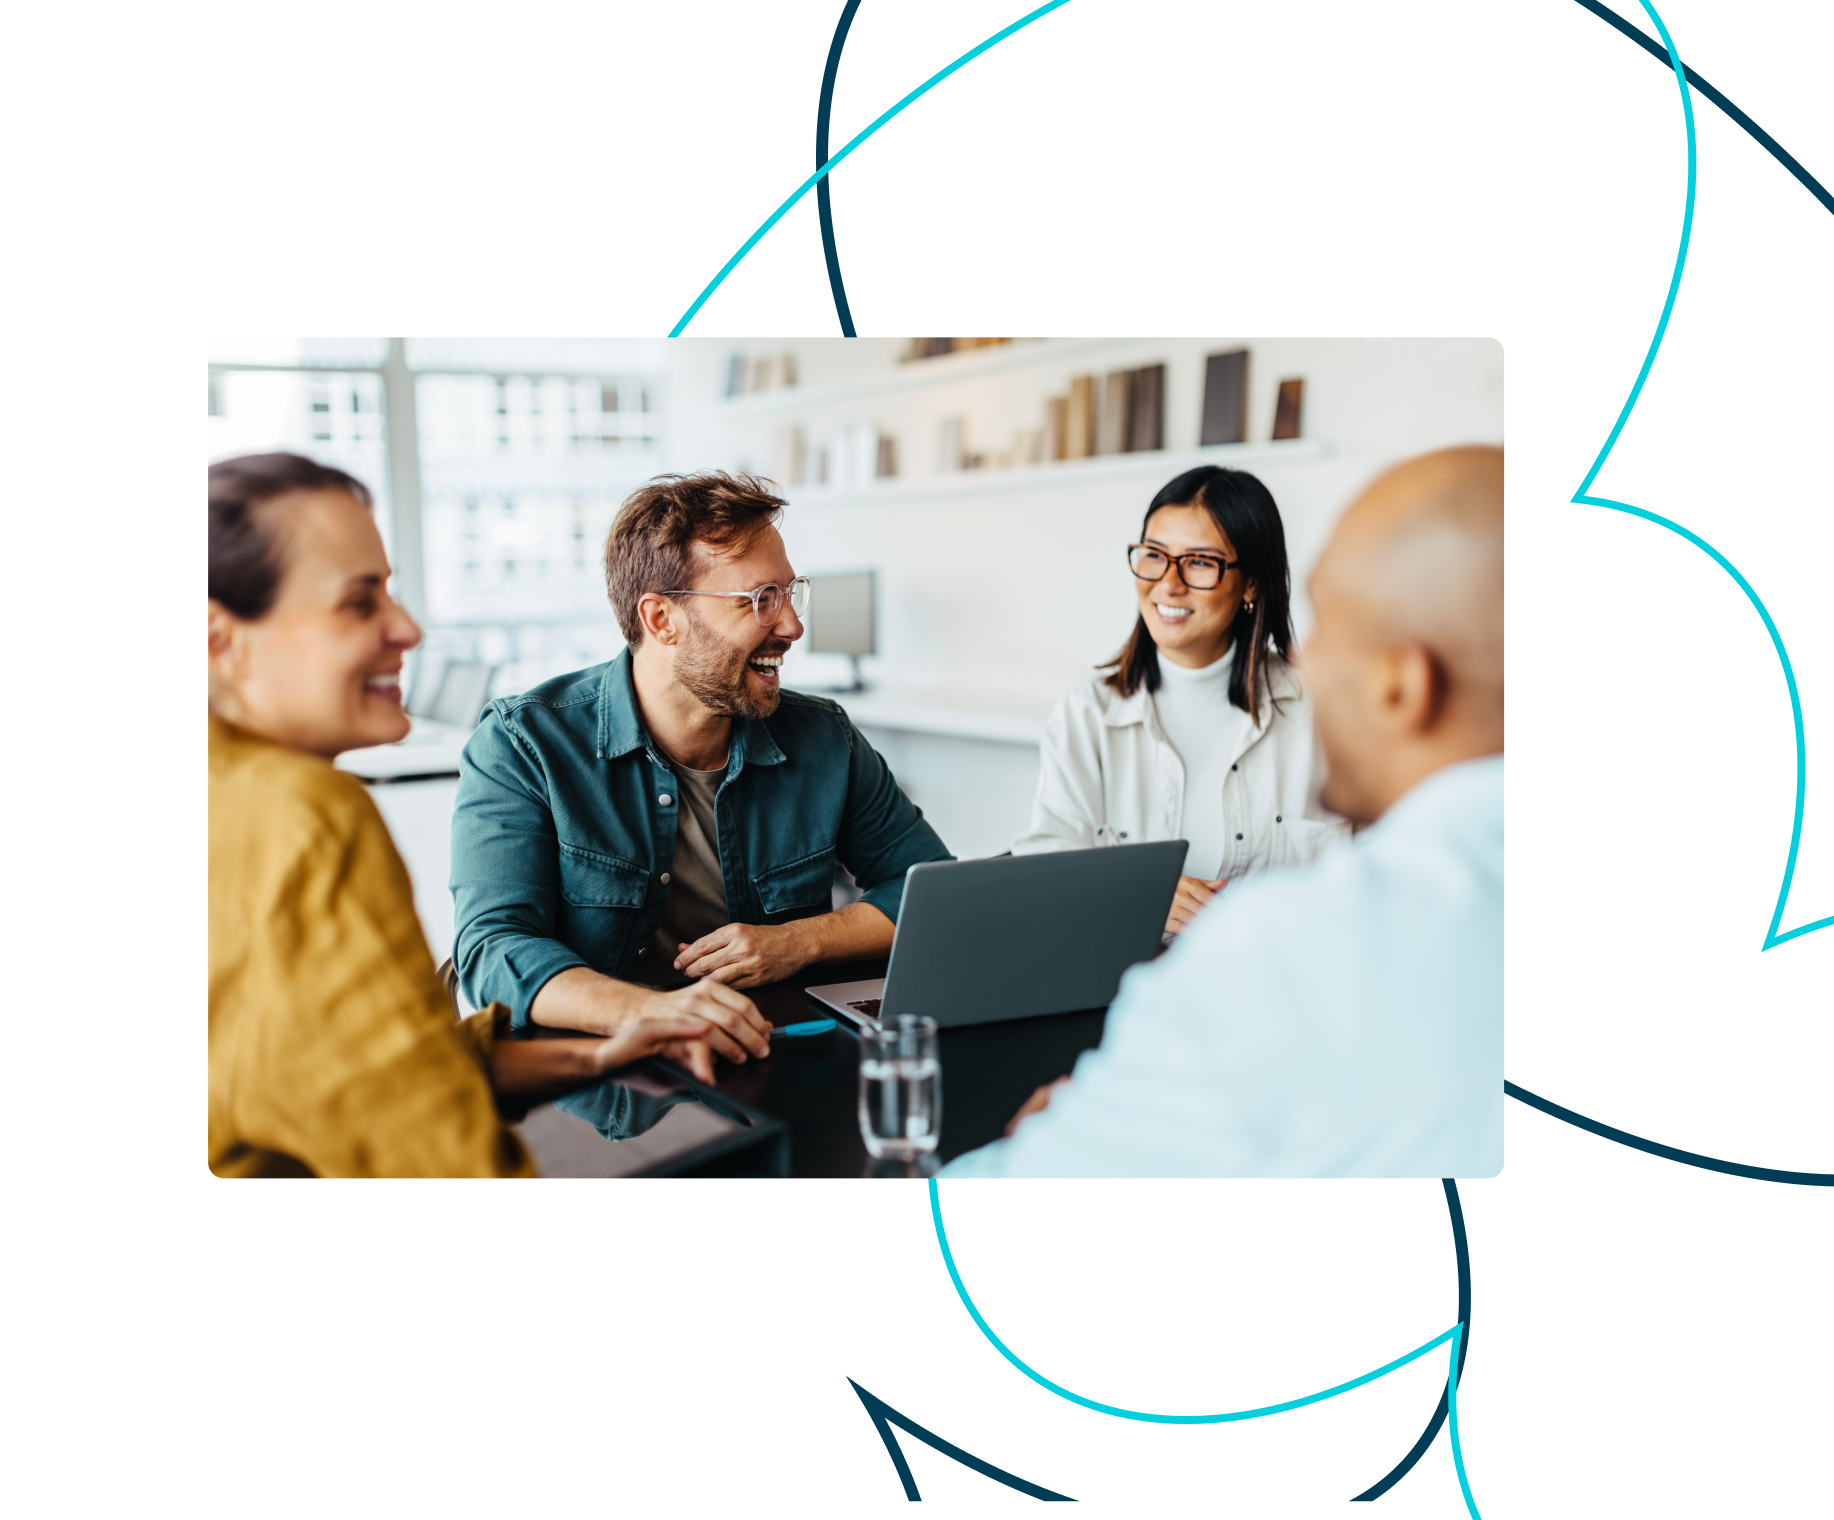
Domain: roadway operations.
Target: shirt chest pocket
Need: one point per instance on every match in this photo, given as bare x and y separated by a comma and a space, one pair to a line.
591, 880
1300, 841
800, 889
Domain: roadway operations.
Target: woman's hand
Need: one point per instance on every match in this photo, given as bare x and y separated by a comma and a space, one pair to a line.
731, 1025
746, 955
1036, 1104
526, 1072
1193, 892
663, 1029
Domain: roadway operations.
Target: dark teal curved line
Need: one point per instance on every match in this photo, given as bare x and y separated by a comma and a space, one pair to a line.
1772, 937
1374, 1491
1649, 44
1454, 1335
822, 173
884, 1417
824, 208
1666, 1152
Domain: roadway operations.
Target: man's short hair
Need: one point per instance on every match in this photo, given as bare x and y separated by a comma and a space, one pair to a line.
651, 543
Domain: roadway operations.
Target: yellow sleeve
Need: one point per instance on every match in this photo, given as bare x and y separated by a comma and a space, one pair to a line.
354, 1063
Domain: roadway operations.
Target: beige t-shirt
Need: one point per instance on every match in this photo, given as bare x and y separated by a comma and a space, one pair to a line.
697, 887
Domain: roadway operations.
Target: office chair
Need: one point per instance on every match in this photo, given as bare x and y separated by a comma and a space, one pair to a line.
448, 974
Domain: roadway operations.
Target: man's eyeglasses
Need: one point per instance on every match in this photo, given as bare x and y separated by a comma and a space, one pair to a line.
1201, 572
767, 601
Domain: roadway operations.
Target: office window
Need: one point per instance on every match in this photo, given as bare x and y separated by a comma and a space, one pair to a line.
523, 449
520, 476
322, 397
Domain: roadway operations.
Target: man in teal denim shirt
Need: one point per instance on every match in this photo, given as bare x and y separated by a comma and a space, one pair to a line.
573, 817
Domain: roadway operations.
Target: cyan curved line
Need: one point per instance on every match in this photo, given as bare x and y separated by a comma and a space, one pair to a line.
1461, 1250
823, 207
1455, 1336
1674, 284
828, 168
1666, 1152
1757, 134
1772, 937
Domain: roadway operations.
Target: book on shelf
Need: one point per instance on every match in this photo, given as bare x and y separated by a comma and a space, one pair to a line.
934, 348
1146, 413
1124, 415
1226, 398
1112, 428
1079, 421
853, 456
789, 457
1286, 408
951, 445
1056, 418
746, 377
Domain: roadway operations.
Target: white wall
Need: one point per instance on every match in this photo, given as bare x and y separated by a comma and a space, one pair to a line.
1005, 587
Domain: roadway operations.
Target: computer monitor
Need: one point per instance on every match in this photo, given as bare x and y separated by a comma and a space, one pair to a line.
841, 617
458, 697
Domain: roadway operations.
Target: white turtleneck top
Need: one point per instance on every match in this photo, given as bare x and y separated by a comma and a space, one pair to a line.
1206, 730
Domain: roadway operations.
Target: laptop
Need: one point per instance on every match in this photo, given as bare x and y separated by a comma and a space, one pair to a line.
1017, 936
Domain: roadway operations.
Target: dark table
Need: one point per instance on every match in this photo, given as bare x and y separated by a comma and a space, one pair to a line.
810, 1083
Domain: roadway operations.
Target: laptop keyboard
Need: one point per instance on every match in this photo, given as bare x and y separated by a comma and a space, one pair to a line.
867, 1006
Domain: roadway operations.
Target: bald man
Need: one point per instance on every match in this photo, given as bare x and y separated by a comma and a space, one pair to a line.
1347, 1021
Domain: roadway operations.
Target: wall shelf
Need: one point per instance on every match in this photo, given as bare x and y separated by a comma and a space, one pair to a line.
1155, 464
970, 364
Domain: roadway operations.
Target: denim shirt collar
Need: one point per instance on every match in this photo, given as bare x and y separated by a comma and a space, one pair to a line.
621, 727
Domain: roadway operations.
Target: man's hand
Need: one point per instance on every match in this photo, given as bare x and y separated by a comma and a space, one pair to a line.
747, 955
1036, 1104
1193, 892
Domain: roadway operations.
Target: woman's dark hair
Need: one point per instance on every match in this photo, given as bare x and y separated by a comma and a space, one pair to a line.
245, 553
1244, 509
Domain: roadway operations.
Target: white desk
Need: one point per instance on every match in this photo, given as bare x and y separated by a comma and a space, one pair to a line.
1017, 719
430, 750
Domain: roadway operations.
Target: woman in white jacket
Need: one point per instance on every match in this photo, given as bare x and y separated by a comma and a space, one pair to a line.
1200, 730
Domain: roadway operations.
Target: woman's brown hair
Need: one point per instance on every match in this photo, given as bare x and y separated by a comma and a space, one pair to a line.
246, 559
1244, 510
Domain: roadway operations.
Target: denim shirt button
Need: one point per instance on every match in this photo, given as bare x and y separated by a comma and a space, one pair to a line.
665, 799
664, 878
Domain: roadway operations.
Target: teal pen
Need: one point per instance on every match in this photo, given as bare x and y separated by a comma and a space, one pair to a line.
794, 1031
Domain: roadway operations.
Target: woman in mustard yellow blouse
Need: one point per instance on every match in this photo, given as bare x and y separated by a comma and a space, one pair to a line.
333, 1046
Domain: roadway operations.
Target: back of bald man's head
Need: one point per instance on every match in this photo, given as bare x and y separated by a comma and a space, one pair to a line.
1421, 552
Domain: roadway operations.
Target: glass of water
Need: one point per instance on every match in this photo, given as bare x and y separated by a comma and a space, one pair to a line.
900, 1087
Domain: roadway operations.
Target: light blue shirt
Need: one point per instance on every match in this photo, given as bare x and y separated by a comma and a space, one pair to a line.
1340, 1022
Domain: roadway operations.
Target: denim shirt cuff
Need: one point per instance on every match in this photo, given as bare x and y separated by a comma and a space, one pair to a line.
886, 898
532, 965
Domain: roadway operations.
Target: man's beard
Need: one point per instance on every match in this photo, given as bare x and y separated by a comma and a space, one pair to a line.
714, 672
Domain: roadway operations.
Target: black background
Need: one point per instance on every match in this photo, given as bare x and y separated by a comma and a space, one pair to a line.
1642, 1332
